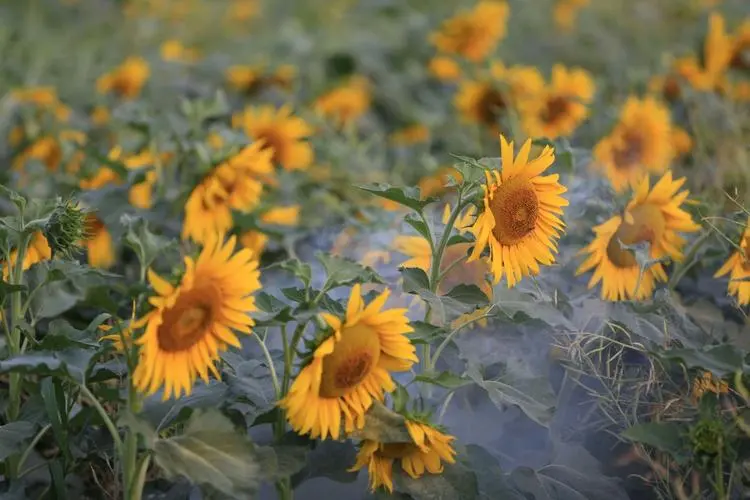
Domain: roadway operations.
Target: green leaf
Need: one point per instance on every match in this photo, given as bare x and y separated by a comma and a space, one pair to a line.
721, 359
144, 243
299, 269
211, 452
457, 239
456, 482
407, 196
419, 226
55, 405
512, 302
491, 480
140, 427
8, 289
470, 169
415, 280
280, 461
163, 413
426, 333
344, 272
384, 426
295, 294
529, 484
566, 483
468, 294
18, 200
330, 459
276, 311
13, 435
669, 437
251, 386
447, 380
72, 363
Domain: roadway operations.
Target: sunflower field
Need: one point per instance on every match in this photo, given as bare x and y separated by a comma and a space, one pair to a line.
370, 249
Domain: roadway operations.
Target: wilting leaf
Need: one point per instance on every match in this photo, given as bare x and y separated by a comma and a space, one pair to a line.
13, 435
456, 482
407, 196
721, 359
299, 269
447, 380
468, 294
415, 280
343, 272
211, 452
664, 436
384, 425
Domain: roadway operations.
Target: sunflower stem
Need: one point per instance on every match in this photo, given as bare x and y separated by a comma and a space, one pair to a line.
130, 450
453, 333
689, 260
105, 417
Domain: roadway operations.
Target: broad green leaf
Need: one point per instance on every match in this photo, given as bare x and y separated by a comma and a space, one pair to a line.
144, 243
161, 414
669, 437
415, 280
492, 482
566, 483
447, 380
456, 482
426, 333
468, 294
512, 302
280, 461
419, 226
407, 196
330, 459
210, 452
457, 239
299, 269
526, 481
251, 387
70, 362
13, 435
344, 272
384, 426
721, 359
295, 294
470, 169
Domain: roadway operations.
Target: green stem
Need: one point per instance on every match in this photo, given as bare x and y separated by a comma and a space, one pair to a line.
452, 334
450, 267
719, 479
107, 421
30, 447
437, 255
271, 367
689, 260
130, 451
139, 479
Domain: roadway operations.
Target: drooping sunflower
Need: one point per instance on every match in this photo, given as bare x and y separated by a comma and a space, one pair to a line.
346, 103
126, 80
520, 222
194, 321
738, 268
235, 184
38, 250
473, 34
281, 132
652, 215
99, 245
709, 75
351, 368
561, 106
642, 141
429, 448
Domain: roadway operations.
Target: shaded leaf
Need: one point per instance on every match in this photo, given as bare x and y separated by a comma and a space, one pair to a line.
330, 459
447, 380
343, 272
383, 425
426, 333
70, 362
468, 294
144, 243
280, 461
415, 280
407, 196
13, 435
162, 413
512, 302
7, 289
721, 359
419, 226
669, 437
299, 269
491, 480
456, 482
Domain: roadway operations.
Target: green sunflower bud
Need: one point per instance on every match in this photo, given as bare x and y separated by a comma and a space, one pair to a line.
65, 228
707, 437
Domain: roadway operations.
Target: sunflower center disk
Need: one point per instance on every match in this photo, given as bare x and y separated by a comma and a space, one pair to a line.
351, 361
515, 207
273, 141
188, 320
741, 58
629, 155
557, 108
648, 226
491, 106
396, 450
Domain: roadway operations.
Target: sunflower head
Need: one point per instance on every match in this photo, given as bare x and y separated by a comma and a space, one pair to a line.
347, 103
350, 368
195, 320
429, 449
482, 102
737, 267
98, 243
473, 34
741, 47
520, 222
65, 227
444, 68
653, 216
126, 80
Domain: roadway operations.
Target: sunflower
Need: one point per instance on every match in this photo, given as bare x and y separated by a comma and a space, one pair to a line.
345, 104
444, 68
653, 216
566, 11
741, 47
642, 141
235, 184
193, 321
410, 135
483, 102
430, 447
350, 368
710, 76
49, 151
738, 268
473, 34
43, 97
521, 82
560, 107
38, 250
255, 241
126, 80
682, 143
520, 222
100, 116
174, 50
707, 382
98, 243
252, 79
281, 132
281, 216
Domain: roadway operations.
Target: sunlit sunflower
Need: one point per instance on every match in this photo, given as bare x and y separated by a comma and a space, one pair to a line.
281, 216
669, 85
126, 80
350, 369
473, 34
99, 246
252, 79
429, 449
44, 98
255, 241
707, 382
520, 222
49, 150
175, 51
235, 184
642, 141
738, 268
38, 250
482, 102
346, 103
741, 47
566, 11
282, 132
652, 216
194, 321
444, 68
522, 82
561, 106
709, 75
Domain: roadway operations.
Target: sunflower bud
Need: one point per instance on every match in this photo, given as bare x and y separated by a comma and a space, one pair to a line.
65, 228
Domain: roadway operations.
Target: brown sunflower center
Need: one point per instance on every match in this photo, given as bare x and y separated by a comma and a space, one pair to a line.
187, 321
273, 140
515, 207
629, 155
557, 108
396, 450
647, 226
741, 56
351, 361
491, 106
671, 89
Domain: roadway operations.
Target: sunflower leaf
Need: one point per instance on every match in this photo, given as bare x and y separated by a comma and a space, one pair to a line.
13, 435
426, 333
419, 225
301, 270
469, 294
407, 196
415, 280
446, 380
345, 272
144, 243
457, 239
384, 426
211, 453
664, 436
721, 360
456, 482
7, 289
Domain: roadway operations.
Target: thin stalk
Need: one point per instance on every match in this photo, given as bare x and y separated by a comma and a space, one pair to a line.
719, 479
450, 267
107, 421
453, 333
31, 446
130, 449
271, 367
689, 260
139, 480
437, 255
16, 318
